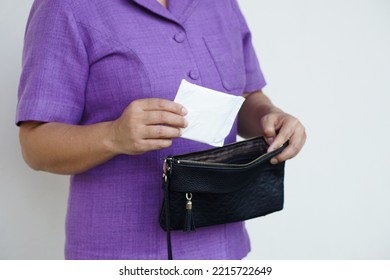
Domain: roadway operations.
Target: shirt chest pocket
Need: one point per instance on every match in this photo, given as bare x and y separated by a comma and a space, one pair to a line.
226, 50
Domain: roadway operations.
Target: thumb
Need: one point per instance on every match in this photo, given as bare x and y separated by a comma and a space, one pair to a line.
268, 124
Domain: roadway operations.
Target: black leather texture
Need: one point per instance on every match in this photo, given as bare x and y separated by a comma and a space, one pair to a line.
233, 183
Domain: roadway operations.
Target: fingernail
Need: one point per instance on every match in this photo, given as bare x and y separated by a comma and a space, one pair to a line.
185, 123
274, 161
184, 111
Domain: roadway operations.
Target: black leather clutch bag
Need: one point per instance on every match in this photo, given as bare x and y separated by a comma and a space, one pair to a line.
233, 183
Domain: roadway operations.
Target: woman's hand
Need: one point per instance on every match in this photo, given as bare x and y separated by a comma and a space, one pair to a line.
258, 116
146, 125
278, 128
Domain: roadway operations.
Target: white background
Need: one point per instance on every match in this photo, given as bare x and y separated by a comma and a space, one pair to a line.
326, 62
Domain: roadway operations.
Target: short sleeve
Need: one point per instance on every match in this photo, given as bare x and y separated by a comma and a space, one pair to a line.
55, 66
254, 76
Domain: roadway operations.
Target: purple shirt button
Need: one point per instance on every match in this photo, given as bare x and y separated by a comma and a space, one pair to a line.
193, 74
179, 37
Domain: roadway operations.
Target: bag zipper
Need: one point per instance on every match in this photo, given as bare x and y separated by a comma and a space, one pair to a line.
269, 154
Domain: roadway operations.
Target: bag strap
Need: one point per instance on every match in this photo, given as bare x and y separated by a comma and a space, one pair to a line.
167, 217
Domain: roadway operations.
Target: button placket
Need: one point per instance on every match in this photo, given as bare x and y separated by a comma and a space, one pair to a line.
180, 37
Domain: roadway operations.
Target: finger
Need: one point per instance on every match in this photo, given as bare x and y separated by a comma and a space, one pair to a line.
268, 123
290, 152
296, 142
160, 132
286, 131
166, 118
159, 104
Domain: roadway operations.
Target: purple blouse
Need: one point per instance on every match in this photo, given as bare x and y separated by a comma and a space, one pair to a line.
85, 61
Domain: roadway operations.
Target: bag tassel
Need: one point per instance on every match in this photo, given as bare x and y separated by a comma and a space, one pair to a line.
189, 224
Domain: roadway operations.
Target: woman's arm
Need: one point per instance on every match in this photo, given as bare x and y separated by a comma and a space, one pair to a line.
258, 116
145, 125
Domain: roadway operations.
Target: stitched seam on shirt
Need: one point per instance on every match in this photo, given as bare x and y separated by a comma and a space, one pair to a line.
123, 46
81, 42
254, 84
219, 69
104, 35
79, 34
236, 11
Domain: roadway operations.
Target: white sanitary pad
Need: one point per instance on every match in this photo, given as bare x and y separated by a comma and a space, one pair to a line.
211, 113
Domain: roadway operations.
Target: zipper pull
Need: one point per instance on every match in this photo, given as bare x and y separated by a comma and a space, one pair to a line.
189, 224
166, 170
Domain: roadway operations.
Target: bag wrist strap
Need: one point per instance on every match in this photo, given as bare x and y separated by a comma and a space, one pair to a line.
167, 217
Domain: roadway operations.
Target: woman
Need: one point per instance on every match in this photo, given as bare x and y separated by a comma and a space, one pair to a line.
95, 102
